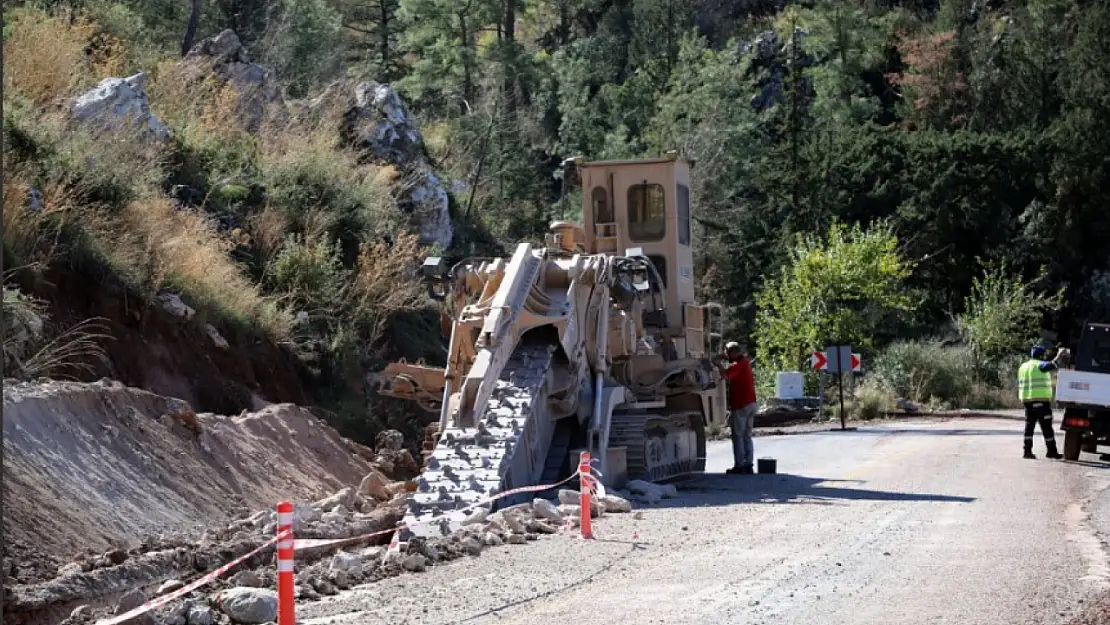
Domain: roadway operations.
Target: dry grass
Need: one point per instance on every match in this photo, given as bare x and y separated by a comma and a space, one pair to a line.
44, 59
386, 284
34, 238
179, 96
159, 246
148, 243
48, 58
268, 229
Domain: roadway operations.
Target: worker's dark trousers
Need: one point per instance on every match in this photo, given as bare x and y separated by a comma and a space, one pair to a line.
1039, 411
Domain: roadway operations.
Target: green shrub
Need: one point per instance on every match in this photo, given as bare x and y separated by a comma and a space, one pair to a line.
926, 370
1003, 312
309, 271
872, 400
987, 397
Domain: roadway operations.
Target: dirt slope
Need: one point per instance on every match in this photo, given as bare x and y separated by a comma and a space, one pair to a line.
88, 467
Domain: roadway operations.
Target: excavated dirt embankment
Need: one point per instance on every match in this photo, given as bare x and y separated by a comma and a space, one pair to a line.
115, 495
93, 467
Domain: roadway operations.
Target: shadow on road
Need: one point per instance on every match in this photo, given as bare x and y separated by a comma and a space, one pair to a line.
1100, 464
783, 488
932, 431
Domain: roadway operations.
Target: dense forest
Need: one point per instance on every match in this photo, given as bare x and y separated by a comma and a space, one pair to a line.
921, 178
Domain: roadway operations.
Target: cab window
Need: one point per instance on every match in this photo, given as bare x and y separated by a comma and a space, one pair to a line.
647, 216
603, 214
683, 201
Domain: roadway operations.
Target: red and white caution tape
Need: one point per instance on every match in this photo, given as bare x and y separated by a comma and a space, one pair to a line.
592, 484
154, 604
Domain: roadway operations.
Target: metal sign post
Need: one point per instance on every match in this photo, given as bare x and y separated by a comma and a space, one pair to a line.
839, 358
836, 359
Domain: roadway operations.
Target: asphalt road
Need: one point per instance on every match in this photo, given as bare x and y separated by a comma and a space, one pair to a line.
938, 522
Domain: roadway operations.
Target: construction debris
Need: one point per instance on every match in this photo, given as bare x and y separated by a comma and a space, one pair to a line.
90, 585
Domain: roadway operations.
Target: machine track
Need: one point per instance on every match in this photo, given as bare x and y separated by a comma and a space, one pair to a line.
659, 446
508, 448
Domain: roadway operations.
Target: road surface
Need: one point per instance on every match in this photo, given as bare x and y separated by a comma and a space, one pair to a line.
914, 523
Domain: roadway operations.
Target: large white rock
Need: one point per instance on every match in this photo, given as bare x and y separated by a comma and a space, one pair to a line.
377, 121
116, 103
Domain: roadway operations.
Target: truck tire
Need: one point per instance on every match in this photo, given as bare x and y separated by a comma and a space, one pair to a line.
1073, 440
1090, 445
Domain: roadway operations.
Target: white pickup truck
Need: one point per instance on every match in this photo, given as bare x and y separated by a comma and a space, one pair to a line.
1083, 392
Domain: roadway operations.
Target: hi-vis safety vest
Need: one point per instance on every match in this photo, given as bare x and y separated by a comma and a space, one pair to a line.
1034, 384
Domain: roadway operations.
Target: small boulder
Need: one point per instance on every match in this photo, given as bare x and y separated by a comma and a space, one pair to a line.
333, 518
508, 519
249, 606
492, 540
303, 516
217, 339
247, 578
130, 601
169, 586
171, 303
256, 93
341, 579
516, 539
616, 503
396, 488
537, 526
345, 498
116, 556
372, 556
569, 497
346, 561
544, 509
414, 562
573, 498
478, 516
472, 545
72, 568
390, 440
200, 615
373, 485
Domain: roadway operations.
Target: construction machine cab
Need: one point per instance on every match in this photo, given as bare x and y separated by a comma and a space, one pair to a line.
641, 208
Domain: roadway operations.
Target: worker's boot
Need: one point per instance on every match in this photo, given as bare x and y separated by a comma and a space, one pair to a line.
747, 470
1052, 453
1029, 451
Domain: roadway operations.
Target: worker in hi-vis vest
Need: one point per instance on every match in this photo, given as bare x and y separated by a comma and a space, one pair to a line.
1035, 392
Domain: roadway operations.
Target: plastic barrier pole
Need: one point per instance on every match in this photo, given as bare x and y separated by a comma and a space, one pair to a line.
286, 583
585, 485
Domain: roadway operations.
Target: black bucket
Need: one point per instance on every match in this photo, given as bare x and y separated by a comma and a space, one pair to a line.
767, 465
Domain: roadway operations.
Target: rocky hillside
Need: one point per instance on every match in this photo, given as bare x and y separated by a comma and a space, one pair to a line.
190, 231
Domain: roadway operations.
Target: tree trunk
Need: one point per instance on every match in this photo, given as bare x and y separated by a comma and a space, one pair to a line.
383, 42
191, 28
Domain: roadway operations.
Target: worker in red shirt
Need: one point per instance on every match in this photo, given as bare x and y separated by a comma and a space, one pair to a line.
741, 405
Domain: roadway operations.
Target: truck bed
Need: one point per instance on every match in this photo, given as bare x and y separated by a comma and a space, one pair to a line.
1083, 388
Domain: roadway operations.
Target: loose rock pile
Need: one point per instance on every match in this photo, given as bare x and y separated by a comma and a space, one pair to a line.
246, 595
